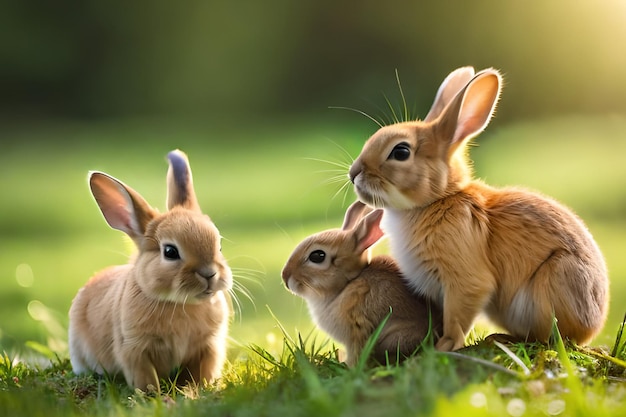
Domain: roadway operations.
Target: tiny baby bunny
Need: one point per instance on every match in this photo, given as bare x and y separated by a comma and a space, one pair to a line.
168, 307
349, 296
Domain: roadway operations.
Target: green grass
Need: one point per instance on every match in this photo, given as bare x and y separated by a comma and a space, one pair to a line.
306, 378
266, 190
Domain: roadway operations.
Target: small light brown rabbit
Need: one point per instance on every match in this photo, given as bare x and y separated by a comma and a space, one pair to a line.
517, 255
349, 296
168, 307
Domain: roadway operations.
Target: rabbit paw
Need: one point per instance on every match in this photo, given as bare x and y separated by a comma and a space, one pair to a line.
447, 344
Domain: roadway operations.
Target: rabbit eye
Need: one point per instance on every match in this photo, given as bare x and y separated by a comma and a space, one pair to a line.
171, 252
317, 256
400, 152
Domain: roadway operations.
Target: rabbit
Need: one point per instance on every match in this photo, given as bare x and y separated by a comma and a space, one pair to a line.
349, 296
518, 256
167, 308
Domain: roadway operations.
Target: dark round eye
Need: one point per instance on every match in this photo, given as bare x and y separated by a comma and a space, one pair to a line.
317, 256
170, 252
400, 152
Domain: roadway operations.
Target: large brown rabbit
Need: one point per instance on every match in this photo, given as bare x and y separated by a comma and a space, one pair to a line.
349, 295
519, 256
168, 307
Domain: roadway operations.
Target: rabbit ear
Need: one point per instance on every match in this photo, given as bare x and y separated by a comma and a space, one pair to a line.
453, 83
368, 231
354, 213
470, 111
123, 208
180, 190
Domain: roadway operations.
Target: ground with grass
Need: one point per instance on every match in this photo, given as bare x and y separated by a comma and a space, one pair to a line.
487, 378
266, 189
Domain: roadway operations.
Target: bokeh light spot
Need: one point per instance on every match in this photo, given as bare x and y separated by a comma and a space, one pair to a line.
516, 407
24, 275
478, 400
555, 407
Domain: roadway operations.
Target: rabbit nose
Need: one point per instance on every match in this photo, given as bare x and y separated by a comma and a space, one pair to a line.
286, 273
206, 273
354, 172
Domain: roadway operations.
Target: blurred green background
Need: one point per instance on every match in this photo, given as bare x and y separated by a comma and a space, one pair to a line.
245, 89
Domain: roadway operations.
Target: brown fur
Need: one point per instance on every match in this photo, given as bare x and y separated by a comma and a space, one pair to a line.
517, 255
148, 317
349, 296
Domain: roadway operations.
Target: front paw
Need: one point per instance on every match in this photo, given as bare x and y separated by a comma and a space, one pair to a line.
447, 344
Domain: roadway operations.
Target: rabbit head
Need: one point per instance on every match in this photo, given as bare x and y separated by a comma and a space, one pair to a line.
324, 263
179, 256
411, 164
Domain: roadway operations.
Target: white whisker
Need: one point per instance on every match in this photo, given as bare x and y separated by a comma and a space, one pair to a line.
337, 179
248, 274
350, 159
362, 113
245, 292
236, 304
345, 187
339, 164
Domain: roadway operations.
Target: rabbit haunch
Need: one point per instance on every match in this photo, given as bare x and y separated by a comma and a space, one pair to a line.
167, 308
519, 256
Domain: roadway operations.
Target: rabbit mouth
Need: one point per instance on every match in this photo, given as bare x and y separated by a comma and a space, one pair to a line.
292, 285
213, 287
205, 294
369, 197
364, 194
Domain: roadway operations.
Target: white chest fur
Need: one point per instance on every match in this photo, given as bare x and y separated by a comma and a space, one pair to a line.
408, 248
328, 316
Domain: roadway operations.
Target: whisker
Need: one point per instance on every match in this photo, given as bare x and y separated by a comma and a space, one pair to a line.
245, 292
342, 165
336, 174
337, 179
350, 159
345, 187
248, 270
341, 171
359, 112
236, 305
393, 110
406, 110
261, 271
385, 118
248, 274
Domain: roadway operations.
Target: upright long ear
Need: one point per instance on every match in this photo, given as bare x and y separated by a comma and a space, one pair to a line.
354, 213
449, 88
470, 111
368, 231
180, 190
123, 208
